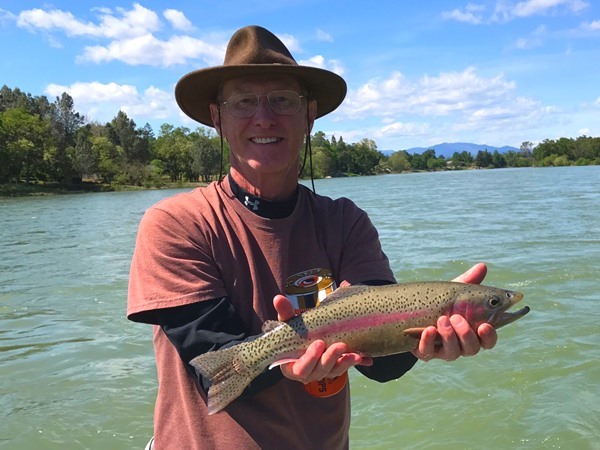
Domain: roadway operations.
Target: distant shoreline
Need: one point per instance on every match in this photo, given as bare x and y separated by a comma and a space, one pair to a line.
11, 190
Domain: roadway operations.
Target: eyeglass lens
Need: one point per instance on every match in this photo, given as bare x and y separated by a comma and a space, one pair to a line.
245, 105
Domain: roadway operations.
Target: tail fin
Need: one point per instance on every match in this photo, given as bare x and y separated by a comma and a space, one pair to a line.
228, 374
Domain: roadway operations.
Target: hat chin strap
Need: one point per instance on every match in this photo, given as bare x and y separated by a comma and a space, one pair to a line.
308, 152
221, 139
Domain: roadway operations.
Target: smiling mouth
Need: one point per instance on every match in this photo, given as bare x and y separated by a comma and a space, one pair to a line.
266, 140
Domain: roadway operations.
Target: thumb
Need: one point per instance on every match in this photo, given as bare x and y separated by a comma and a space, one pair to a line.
284, 308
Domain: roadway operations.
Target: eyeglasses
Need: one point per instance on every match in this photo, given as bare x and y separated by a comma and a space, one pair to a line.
243, 106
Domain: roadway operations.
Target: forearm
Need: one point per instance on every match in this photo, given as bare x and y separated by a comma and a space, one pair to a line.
208, 326
387, 368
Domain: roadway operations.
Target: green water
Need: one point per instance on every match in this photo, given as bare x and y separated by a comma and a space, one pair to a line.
74, 374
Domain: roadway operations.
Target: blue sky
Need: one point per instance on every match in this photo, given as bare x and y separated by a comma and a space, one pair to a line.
497, 72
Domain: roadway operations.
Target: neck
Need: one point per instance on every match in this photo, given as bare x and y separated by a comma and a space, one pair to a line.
268, 186
260, 206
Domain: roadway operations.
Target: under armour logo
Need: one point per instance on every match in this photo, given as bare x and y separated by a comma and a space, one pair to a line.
254, 203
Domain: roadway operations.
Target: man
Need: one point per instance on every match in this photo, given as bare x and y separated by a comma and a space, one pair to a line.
210, 266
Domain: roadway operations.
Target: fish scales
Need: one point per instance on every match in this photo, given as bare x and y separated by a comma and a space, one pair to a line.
371, 320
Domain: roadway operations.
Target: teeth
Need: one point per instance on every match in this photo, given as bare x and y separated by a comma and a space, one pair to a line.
265, 140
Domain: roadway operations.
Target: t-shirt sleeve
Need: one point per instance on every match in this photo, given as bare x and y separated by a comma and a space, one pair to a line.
172, 265
362, 257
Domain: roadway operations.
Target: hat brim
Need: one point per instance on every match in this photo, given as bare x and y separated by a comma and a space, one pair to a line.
196, 90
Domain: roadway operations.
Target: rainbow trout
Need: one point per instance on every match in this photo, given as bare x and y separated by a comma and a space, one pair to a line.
371, 320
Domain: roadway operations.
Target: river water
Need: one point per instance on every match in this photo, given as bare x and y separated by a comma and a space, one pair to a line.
75, 374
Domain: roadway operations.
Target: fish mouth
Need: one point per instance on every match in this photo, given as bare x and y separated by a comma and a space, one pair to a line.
507, 317
504, 317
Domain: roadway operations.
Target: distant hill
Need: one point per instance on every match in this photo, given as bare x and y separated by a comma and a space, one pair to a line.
447, 149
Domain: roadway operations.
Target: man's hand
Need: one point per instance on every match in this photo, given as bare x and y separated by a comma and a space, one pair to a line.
456, 335
319, 361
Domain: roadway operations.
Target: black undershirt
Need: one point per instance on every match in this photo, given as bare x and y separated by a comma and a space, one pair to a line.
260, 206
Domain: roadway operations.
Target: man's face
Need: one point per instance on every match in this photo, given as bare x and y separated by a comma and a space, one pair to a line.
266, 143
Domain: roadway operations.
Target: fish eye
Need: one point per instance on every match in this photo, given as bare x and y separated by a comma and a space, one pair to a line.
494, 302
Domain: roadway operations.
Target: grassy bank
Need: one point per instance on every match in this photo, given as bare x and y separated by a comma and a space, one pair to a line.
32, 189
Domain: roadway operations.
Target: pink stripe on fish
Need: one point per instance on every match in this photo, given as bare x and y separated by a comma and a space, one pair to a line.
363, 322
475, 313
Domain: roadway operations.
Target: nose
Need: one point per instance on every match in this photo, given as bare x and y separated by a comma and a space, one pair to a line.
264, 114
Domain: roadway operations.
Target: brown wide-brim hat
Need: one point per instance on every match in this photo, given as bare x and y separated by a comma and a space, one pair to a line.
254, 50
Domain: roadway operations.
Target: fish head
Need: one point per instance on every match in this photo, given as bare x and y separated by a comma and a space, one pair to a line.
484, 304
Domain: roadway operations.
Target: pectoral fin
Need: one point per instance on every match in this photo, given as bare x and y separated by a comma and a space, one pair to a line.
414, 332
281, 362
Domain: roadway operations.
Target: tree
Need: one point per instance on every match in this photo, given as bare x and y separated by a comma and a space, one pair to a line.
498, 160
64, 123
462, 159
516, 159
399, 162
483, 159
319, 140
135, 144
365, 156
172, 147
427, 155
437, 163
526, 149
544, 149
84, 156
206, 156
417, 162
110, 157
23, 138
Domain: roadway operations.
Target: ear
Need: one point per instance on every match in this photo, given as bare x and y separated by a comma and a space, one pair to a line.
215, 116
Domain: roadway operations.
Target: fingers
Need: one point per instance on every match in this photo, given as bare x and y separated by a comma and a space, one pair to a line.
468, 341
426, 349
453, 338
320, 361
487, 336
474, 275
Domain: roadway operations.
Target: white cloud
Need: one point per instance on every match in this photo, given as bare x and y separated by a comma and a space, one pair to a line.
102, 101
130, 34
591, 26
135, 22
6, 17
471, 14
430, 95
508, 10
333, 65
151, 51
445, 106
403, 129
534, 40
178, 20
324, 36
534, 7
131, 37
290, 42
